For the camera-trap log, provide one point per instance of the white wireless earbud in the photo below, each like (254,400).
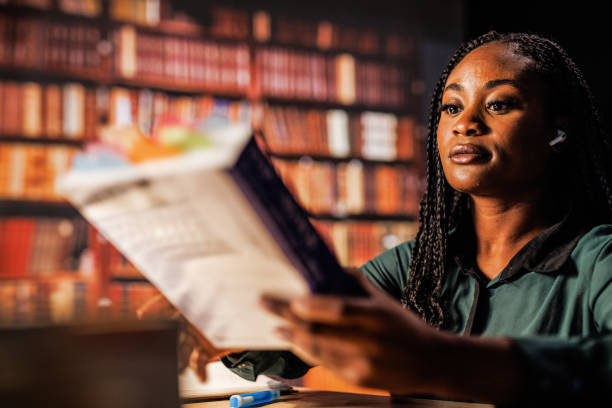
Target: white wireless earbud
(561,136)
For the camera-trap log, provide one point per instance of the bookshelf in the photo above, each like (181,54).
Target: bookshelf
(339,105)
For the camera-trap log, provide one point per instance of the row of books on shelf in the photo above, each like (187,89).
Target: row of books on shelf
(356,242)
(148,11)
(326,35)
(343,79)
(225,22)
(81,49)
(221,22)
(144,108)
(55,111)
(42,44)
(190,61)
(44,249)
(55,299)
(336,133)
(72,111)
(119,267)
(89,8)
(197,64)
(29,171)
(352,187)
(125,298)
(64,299)
(40,247)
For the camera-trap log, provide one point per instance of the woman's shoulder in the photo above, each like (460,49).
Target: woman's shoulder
(592,258)
(595,239)
(389,270)
(593,251)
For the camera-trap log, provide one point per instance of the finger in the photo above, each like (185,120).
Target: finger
(346,311)
(315,308)
(331,347)
(198,362)
(356,361)
(340,311)
(200,341)
(186,345)
(299,347)
(203,344)
(276,305)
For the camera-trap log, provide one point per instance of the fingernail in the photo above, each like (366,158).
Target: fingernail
(283,332)
(265,303)
(300,304)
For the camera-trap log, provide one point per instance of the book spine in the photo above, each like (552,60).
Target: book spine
(289,224)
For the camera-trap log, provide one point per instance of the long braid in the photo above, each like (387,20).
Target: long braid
(442,207)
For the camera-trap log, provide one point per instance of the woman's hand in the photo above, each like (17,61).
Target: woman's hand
(194,349)
(371,342)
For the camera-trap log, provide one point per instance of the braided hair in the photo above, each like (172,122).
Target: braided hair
(584,164)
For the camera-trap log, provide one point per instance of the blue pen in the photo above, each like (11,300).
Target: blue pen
(253,398)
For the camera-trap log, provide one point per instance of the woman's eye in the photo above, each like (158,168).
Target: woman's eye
(504,105)
(450,108)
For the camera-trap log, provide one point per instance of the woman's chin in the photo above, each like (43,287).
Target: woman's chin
(473,187)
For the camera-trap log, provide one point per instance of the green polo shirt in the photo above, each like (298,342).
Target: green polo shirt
(554,298)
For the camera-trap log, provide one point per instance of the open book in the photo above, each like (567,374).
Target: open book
(212,229)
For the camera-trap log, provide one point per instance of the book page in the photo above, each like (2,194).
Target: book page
(198,240)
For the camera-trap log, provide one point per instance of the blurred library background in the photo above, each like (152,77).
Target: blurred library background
(339,90)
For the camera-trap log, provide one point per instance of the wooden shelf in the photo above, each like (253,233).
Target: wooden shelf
(183,29)
(363,217)
(379,57)
(54,13)
(27,73)
(325,105)
(334,159)
(24,73)
(183,87)
(55,276)
(41,140)
(31,208)
(129,279)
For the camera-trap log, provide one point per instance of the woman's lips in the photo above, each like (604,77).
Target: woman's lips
(468,153)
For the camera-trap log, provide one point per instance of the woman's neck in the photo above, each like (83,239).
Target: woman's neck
(503,227)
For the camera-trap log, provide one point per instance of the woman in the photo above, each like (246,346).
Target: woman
(506,289)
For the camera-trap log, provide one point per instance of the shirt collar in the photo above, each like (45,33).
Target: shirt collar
(545,253)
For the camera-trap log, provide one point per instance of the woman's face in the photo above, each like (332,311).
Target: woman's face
(493,135)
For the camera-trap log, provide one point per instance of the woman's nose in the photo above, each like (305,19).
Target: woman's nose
(469,124)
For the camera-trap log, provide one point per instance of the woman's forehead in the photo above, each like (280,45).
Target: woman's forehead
(493,60)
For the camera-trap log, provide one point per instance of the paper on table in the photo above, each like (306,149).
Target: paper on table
(221,382)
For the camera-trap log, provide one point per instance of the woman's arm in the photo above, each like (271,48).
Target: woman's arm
(374,342)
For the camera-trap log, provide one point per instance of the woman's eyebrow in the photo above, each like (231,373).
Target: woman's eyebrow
(489,85)
(502,81)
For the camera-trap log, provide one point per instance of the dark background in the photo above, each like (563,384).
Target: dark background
(581,27)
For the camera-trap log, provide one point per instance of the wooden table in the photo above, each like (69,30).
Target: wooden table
(329,399)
